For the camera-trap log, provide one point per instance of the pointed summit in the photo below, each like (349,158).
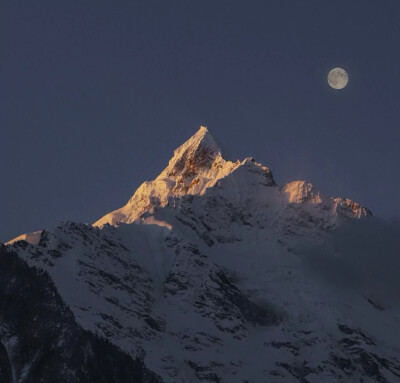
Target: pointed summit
(195,166)
(202,138)
(198,152)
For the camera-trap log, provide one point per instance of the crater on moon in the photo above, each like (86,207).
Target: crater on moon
(338,78)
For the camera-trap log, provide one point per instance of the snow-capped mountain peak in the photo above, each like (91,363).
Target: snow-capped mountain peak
(195,166)
(300,191)
(198,165)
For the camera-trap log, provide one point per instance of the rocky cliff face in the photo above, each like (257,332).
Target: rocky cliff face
(199,276)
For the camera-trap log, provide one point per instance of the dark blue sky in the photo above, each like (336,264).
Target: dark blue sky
(95,95)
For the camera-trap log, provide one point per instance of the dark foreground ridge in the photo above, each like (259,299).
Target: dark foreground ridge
(40,340)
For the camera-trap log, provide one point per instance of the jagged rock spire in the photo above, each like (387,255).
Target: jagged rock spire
(197,153)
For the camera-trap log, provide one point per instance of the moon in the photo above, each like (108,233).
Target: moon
(338,78)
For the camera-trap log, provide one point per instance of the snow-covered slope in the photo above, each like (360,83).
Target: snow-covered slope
(200,274)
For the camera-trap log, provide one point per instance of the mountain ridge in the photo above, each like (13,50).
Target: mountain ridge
(196,166)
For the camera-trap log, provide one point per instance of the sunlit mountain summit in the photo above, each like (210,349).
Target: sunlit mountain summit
(199,165)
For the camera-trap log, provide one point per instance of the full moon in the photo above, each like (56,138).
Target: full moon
(338,78)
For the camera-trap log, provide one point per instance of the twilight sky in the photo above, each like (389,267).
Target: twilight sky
(95,95)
